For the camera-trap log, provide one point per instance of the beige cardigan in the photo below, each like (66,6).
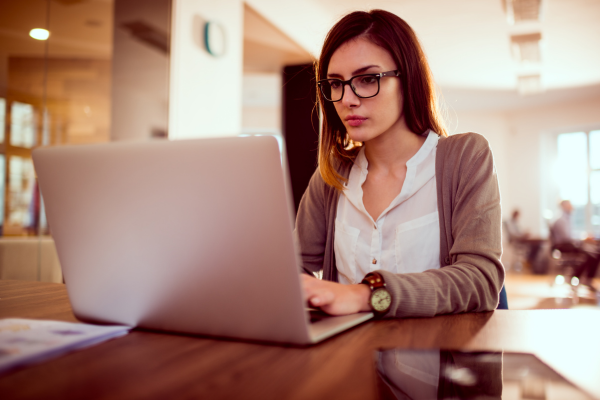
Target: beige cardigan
(470,234)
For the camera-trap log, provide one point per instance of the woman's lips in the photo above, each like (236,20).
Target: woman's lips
(355,120)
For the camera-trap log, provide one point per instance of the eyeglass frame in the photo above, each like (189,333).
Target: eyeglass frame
(394,73)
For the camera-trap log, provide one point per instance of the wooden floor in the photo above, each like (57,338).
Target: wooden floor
(533,292)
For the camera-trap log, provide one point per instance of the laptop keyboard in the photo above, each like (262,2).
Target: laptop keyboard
(317,315)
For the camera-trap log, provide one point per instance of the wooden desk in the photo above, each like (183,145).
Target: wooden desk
(155,365)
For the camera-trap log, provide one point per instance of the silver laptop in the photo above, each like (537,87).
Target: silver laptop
(191,236)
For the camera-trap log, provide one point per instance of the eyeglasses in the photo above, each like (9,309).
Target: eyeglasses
(363,86)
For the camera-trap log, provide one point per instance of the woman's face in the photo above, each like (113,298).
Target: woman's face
(366,119)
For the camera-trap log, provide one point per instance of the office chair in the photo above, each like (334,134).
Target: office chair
(564,263)
(503,300)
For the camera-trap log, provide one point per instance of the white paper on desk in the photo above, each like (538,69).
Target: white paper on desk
(25,341)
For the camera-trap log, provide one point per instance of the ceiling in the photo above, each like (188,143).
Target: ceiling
(468,41)
(78,28)
(84,28)
(266,48)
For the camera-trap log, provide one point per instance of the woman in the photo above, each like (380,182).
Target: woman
(394,198)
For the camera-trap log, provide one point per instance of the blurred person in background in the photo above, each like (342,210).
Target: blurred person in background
(516,235)
(562,240)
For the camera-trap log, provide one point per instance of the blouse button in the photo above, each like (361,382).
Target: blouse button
(447,260)
(374,261)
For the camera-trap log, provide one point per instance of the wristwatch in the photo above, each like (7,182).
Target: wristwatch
(381,299)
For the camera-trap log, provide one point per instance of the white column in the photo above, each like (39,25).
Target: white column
(205,97)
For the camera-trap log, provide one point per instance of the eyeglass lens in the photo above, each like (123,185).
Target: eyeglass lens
(362,86)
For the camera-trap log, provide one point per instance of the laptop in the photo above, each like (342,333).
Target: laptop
(190,236)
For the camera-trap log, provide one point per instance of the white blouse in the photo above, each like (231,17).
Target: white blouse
(406,236)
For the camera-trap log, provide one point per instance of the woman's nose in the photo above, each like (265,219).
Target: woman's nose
(349,99)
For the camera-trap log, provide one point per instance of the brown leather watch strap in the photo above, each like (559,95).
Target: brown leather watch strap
(374,280)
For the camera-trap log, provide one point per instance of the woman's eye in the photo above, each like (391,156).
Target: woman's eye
(335,84)
(367,80)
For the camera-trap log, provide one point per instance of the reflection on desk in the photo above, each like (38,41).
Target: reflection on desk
(447,374)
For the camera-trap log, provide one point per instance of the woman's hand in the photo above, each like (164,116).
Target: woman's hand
(335,298)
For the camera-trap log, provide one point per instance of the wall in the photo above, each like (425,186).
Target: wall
(140,83)
(205,91)
(261,94)
(523,143)
(536,131)
(494,126)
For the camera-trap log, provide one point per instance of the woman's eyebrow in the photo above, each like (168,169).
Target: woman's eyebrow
(356,72)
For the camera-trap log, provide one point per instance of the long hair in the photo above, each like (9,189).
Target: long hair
(420,108)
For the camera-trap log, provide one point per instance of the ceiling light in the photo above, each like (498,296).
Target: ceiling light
(39,34)
(529,84)
(526,48)
(522,10)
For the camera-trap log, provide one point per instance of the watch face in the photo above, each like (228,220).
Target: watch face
(381,300)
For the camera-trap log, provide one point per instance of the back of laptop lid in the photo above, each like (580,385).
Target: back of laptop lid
(191,236)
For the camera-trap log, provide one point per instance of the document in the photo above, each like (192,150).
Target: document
(27,341)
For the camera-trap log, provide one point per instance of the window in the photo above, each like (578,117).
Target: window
(21,181)
(22,125)
(578,178)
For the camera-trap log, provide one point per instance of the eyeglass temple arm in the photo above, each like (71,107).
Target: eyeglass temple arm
(390,73)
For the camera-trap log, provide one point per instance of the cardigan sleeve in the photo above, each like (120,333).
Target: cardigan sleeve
(472,274)
(311,226)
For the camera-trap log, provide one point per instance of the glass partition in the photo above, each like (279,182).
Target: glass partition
(57,62)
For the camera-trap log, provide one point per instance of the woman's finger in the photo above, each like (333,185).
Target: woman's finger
(321,297)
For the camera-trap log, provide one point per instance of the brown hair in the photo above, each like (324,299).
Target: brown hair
(420,107)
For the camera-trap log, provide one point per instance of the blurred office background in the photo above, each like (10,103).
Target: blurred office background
(523,73)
